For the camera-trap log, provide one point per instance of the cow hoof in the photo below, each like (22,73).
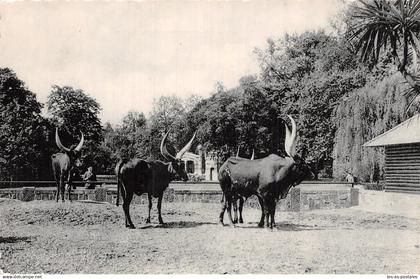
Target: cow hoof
(260,225)
(130,226)
(148,221)
(241,221)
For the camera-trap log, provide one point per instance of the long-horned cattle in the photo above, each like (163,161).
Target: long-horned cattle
(138,176)
(63,164)
(269,178)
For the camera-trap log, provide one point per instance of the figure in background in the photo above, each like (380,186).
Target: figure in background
(89,176)
(349,177)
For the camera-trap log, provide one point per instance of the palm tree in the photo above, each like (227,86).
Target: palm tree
(390,26)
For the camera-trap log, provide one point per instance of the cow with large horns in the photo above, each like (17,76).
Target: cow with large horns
(138,176)
(269,178)
(63,164)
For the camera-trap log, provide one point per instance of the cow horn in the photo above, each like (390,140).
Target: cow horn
(186,147)
(290,139)
(163,149)
(252,157)
(79,146)
(237,152)
(58,142)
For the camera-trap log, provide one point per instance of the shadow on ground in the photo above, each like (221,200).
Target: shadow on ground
(282,227)
(177,225)
(14,239)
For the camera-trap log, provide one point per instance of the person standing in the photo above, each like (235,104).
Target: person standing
(89,176)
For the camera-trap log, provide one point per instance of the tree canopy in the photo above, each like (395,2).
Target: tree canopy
(22,129)
(74,112)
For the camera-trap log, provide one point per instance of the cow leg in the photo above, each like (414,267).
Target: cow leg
(126,206)
(270,208)
(266,213)
(222,213)
(261,201)
(149,196)
(159,206)
(57,182)
(69,184)
(273,211)
(62,188)
(235,209)
(241,206)
(229,209)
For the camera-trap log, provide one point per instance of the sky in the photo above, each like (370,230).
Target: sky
(125,54)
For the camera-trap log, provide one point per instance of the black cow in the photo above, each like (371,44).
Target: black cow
(138,176)
(269,178)
(63,164)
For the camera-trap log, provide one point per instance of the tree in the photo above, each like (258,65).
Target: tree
(389,25)
(132,137)
(363,115)
(306,76)
(73,112)
(106,158)
(167,113)
(22,137)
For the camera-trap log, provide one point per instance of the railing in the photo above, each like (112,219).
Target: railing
(111,180)
(16,184)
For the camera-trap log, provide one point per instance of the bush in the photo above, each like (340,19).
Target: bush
(196,177)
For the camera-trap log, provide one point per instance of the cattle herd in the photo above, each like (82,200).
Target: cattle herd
(269,178)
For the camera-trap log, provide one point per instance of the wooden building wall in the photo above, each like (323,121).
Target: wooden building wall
(402,168)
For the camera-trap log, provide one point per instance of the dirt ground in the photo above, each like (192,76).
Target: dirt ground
(78,237)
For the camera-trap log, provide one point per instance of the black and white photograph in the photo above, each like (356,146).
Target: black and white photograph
(275,138)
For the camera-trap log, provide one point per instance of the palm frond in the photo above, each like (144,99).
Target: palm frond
(411,91)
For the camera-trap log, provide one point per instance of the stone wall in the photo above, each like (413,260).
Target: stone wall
(301,198)
(399,204)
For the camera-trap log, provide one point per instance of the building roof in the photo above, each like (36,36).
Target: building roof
(406,132)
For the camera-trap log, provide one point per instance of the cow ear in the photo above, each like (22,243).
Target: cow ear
(171,168)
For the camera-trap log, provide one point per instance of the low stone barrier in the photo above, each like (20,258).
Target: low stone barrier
(399,204)
(301,198)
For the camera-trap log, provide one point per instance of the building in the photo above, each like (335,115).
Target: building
(203,166)
(402,156)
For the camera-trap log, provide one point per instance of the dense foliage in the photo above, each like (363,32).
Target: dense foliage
(73,112)
(366,113)
(22,130)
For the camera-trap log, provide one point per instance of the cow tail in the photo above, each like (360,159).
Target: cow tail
(118,174)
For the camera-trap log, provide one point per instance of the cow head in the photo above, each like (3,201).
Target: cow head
(73,152)
(176,166)
(252,156)
(300,169)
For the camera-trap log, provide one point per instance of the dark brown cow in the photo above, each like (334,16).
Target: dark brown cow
(138,176)
(62,165)
(269,178)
